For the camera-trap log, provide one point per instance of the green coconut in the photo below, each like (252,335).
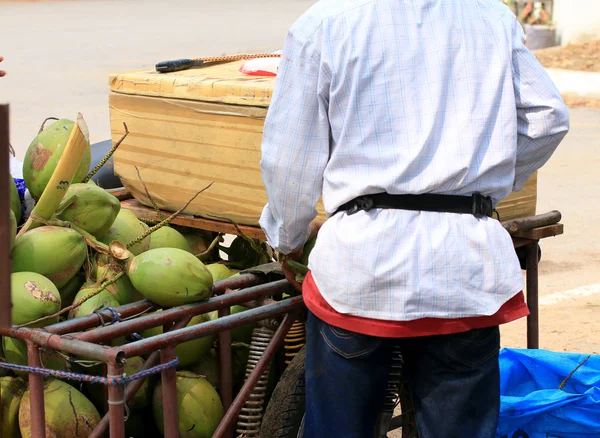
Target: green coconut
(142,397)
(15,201)
(33,296)
(219,271)
(126,228)
(98,301)
(198,240)
(15,351)
(68,412)
(198,403)
(170,277)
(11,393)
(189,352)
(43,155)
(243,333)
(90,208)
(193,351)
(167,237)
(55,252)
(69,290)
(122,289)
(13,229)
(208,367)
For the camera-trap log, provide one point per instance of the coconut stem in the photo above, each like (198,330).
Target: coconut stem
(154,206)
(63,175)
(167,220)
(210,248)
(148,221)
(106,157)
(44,123)
(102,287)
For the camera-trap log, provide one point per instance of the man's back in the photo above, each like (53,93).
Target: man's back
(419,96)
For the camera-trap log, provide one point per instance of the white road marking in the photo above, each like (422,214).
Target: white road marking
(584,291)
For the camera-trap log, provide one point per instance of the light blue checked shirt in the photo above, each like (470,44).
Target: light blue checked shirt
(406,96)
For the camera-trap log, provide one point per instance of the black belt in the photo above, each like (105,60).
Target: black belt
(476,204)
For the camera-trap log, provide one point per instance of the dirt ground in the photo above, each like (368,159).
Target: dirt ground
(582,57)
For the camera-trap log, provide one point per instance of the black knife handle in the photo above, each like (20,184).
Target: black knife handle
(174,65)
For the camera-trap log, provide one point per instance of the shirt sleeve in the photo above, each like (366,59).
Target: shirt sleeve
(295,146)
(542,116)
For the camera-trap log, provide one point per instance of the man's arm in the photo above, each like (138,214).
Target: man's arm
(542,116)
(2,72)
(295,146)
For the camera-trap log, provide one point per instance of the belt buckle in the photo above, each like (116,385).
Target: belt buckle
(481,205)
(365,203)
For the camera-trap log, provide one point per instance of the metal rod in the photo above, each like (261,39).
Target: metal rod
(94,320)
(225,372)
(103,334)
(116,403)
(129,310)
(145,346)
(258,370)
(105,389)
(5,225)
(533,322)
(531,222)
(36,393)
(169,394)
(133,387)
(63,343)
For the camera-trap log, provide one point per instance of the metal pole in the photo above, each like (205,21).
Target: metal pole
(230,416)
(36,393)
(533,323)
(225,372)
(93,320)
(169,392)
(116,403)
(5,228)
(139,348)
(103,334)
(133,387)
(87,322)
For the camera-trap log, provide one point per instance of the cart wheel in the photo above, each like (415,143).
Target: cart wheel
(285,411)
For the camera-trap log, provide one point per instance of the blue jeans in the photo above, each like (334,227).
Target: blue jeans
(454,381)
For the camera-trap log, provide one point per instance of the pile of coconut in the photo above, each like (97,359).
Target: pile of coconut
(78,253)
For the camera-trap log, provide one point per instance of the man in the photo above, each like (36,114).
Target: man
(390,98)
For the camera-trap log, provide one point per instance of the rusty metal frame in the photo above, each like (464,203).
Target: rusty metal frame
(5,306)
(67,337)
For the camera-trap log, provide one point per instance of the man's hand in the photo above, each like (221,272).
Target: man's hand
(2,72)
(296,255)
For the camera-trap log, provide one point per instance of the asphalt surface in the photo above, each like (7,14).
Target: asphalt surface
(59,55)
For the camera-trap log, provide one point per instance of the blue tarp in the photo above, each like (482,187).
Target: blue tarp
(533,406)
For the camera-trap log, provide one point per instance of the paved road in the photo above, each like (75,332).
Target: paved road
(59,55)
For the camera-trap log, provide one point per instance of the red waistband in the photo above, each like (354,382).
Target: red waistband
(513,309)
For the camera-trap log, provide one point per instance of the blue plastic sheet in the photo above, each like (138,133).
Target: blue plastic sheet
(533,406)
